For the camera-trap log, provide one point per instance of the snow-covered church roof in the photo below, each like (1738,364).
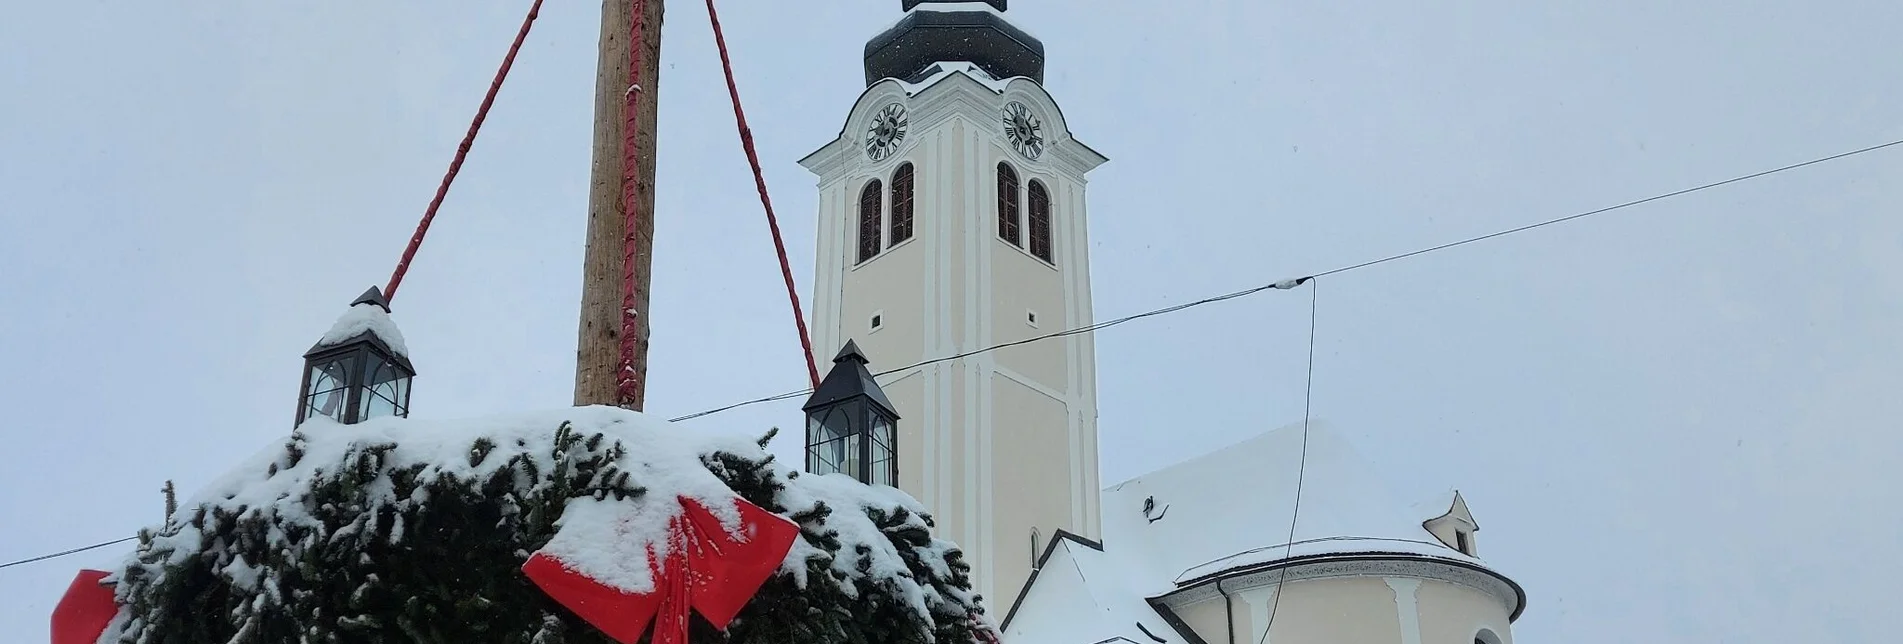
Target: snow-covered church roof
(1231,508)
(1223,514)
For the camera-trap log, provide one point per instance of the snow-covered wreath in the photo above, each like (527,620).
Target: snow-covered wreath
(407,531)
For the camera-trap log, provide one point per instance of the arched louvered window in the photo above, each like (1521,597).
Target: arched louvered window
(869,204)
(1008,229)
(1040,221)
(901,204)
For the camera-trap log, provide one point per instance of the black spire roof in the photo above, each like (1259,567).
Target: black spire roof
(849,377)
(980,37)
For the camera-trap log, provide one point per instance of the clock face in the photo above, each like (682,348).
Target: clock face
(886,132)
(1024,130)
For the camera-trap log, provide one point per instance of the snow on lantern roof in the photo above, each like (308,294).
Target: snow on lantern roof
(1230,509)
(370,314)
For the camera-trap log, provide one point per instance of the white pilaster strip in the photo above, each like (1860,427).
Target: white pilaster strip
(1261,602)
(1407,606)
(972,338)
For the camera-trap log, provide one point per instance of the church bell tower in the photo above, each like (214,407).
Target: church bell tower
(952,219)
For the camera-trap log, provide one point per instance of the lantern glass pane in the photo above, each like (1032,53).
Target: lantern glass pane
(403,396)
(329,390)
(827,424)
(828,457)
(852,464)
(881,470)
(827,443)
(882,454)
(378,371)
(384,388)
(881,432)
(374,405)
(327,376)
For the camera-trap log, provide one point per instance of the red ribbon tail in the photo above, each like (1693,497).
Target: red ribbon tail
(671,626)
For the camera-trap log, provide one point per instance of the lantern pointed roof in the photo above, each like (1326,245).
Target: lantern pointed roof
(849,377)
(367,320)
(373,296)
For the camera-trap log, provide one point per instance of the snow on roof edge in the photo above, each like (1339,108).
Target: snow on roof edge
(1231,507)
(946,68)
(1101,603)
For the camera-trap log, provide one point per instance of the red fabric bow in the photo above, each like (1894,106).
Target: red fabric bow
(706,569)
(86,610)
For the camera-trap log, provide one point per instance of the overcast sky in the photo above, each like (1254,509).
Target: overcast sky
(1674,423)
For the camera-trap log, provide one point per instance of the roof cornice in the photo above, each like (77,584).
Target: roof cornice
(1360,564)
(957,94)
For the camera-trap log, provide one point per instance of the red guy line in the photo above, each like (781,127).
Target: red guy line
(462,152)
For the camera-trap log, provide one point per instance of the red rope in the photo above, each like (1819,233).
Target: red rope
(628,381)
(462,152)
(759,182)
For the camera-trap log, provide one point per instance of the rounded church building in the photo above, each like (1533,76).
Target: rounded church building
(1201,552)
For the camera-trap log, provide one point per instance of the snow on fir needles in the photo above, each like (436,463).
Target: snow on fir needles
(400,530)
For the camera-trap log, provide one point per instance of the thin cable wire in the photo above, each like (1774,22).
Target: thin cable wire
(1607,209)
(1284,285)
(1291,283)
(1301,470)
(74,551)
(756,401)
(462,152)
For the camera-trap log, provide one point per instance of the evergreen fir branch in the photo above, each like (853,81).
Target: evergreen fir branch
(376,550)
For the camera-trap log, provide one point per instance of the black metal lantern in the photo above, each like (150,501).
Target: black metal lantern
(851,428)
(354,373)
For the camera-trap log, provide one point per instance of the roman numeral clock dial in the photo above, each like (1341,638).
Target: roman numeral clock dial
(1024,130)
(886,132)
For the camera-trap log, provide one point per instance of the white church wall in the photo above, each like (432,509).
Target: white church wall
(1332,610)
(887,285)
(1210,620)
(1343,610)
(907,393)
(1454,614)
(1030,447)
(1022,284)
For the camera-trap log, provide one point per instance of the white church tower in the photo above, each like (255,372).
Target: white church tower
(952,218)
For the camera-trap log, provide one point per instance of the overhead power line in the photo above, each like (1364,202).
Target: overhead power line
(1281,285)
(1287,284)
(74,551)
(1301,470)
(1607,209)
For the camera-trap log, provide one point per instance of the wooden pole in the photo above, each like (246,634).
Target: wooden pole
(598,349)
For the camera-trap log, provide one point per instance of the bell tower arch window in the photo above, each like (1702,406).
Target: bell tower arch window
(901,204)
(1008,228)
(1039,221)
(870,201)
